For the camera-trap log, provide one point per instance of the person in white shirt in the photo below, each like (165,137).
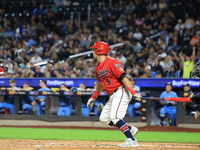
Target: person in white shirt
(121,58)
(137,35)
(36,58)
(180,25)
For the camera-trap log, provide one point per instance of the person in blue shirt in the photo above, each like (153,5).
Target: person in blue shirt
(134,105)
(99,103)
(40,107)
(85,111)
(9,104)
(65,103)
(169,107)
(27,100)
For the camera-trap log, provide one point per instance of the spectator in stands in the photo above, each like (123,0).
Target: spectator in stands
(175,57)
(16,69)
(166,63)
(162,43)
(198,55)
(179,26)
(39,11)
(66,3)
(173,72)
(58,2)
(152,6)
(63,54)
(40,100)
(169,107)
(121,58)
(140,57)
(36,58)
(38,72)
(9,100)
(196,39)
(156,67)
(51,28)
(130,8)
(137,34)
(137,47)
(189,21)
(170,45)
(26,71)
(187,63)
(54,58)
(162,5)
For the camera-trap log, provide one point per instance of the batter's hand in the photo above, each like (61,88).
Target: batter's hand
(90,102)
(137,96)
(196,116)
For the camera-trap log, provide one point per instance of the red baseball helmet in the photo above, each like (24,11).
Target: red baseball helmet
(101,48)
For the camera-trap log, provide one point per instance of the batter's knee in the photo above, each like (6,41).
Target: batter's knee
(104,120)
(108,121)
(114,120)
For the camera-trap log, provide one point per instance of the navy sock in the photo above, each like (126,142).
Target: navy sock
(125,129)
(162,119)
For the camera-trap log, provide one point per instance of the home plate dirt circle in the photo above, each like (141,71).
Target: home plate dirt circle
(6,144)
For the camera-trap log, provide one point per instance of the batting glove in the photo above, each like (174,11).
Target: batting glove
(90,102)
(137,96)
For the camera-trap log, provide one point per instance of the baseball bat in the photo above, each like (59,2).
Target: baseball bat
(177,99)
(88,52)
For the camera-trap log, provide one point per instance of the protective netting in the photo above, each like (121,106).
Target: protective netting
(196,70)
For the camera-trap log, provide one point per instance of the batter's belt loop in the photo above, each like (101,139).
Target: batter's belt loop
(116,90)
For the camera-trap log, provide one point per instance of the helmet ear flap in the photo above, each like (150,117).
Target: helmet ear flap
(97,51)
(101,48)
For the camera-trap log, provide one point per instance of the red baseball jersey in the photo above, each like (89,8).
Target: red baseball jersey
(1,71)
(108,73)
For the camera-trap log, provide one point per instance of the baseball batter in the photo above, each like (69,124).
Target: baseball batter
(113,80)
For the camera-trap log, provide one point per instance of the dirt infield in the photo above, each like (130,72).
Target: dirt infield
(96,145)
(89,145)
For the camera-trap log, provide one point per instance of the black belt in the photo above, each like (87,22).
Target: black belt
(115,91)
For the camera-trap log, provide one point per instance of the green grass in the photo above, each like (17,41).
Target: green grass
(95,135)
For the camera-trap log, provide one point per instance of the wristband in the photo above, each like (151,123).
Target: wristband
(95,95)
(131,90)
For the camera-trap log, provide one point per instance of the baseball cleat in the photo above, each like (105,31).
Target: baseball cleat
(129,143)
(160,124)
(134,130)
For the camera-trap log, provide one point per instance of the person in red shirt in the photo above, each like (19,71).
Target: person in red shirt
(112,79)
(1,72)
(196,39)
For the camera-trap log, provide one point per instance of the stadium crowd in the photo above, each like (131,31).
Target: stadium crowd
(161,37)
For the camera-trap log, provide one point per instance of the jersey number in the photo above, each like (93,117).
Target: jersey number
(108,81)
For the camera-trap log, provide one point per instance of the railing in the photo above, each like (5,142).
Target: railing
(77,96)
